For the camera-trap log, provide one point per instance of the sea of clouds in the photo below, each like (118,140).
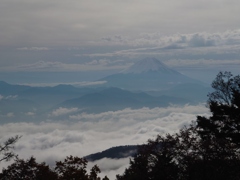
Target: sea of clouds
(83,134)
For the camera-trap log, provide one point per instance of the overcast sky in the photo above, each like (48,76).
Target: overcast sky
(94,38)
(55,41)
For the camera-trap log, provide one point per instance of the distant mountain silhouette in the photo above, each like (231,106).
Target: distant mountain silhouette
(23,103)
(147,74)
(112,99)
(10,89)
(114,153)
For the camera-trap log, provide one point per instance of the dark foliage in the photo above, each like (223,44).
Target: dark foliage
(28,170)
(184,156)
(75,168)
(71,168)
(208,151)
(224,104)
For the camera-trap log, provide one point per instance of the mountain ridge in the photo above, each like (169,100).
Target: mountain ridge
(147,74)
(112,99)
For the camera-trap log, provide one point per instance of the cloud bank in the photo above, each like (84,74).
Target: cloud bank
(83,134)
(175,41)
(63,111)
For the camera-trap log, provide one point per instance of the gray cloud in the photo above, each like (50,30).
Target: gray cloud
(200,39)
(63,111)
(71,23)
(117,52)
(33,49)
(9,97)
(44,66)
(223,48)
(30,113)
(10,114)
(202,63)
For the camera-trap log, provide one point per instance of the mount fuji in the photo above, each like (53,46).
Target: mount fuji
(149,65)
(148,74)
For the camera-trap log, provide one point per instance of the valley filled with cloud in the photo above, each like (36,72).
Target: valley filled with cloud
(84,134)
(79,77)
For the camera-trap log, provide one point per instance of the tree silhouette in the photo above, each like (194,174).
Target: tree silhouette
(75,168)
(71,168)
(185,156)
(207,150)
(6,148)
(28,170)
(224,104)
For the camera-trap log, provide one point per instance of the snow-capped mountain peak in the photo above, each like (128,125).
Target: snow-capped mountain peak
(148,65)
(147,74)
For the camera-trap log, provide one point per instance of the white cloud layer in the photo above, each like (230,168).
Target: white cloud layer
(63,111)
(84,134)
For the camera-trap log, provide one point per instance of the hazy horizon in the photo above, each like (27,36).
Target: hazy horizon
(59,42)
(45,43)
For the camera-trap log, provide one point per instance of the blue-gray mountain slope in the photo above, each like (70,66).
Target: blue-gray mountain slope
(112,99)
(147,74)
